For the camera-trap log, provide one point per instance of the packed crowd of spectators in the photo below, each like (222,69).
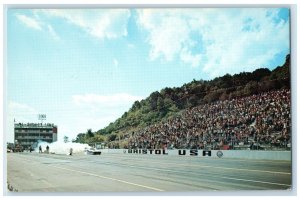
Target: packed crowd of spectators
(254,121)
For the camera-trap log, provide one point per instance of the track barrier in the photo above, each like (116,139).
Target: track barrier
(221,154)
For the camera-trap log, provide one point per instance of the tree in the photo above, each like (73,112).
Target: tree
(153,100)
(66,139)
(212,96)
(260,73)
(192,101)
(111,137)
(136,105)
(224,96)
(90,133)
(99,138)
(160,104)
(251,88)
(80,138)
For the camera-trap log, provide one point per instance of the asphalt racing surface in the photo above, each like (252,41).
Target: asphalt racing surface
(33,172)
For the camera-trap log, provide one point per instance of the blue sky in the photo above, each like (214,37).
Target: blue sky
(83,68)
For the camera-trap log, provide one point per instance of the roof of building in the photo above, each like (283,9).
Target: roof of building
(35,125)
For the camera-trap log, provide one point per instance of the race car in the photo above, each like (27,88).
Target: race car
(93,151)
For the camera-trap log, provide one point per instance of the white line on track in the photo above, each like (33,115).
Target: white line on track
(109,178)
(248,170)
(246,180)
(174,171)
(224,177)
(225,168)
(230,168)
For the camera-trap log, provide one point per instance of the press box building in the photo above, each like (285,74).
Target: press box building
(29,134)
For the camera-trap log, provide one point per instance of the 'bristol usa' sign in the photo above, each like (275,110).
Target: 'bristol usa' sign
(180,152)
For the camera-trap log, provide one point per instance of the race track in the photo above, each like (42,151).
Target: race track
(33,172)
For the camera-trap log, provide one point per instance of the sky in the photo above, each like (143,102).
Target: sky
(84,68)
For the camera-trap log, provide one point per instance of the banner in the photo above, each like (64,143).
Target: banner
(179,152)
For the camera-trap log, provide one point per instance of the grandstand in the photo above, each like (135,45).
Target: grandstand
(255,122)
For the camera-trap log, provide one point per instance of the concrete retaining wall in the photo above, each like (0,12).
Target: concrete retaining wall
(241,154)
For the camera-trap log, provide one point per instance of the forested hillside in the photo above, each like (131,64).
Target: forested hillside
(161,105)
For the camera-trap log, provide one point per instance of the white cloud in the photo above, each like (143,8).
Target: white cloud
(116,62)
(29,22)
(37,23)
(97,111)
(105,23)
(131,46)
(53,32)
(106,101)
(83,121)
(21,111)
(218,40)
(18,112)
(187,57)
(233,49)
(100,110)
(168,33)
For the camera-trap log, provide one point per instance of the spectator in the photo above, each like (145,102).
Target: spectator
(262,119)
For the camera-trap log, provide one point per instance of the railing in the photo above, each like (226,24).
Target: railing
(33,125)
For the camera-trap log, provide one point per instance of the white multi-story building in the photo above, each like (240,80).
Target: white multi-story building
(30,133)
